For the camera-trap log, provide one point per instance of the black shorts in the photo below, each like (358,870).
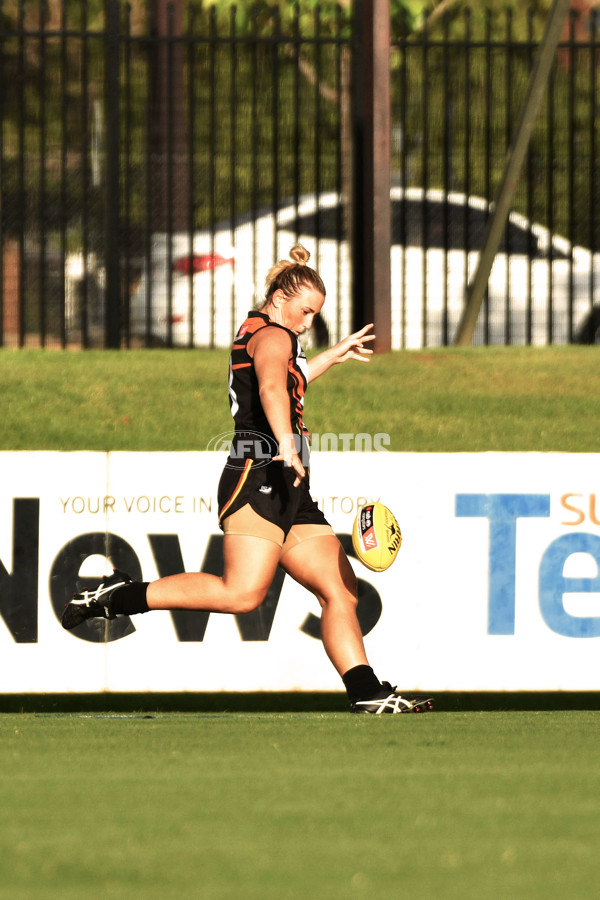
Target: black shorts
(270,491)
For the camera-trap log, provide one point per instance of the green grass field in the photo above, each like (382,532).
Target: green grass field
(289,801)
(435,400)
(300,805)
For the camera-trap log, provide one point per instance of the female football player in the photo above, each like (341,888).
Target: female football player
(265,510)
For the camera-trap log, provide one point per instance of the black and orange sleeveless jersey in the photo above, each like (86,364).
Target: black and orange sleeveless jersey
(244,399)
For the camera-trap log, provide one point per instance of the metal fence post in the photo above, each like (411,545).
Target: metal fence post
(372,182)
(112,323)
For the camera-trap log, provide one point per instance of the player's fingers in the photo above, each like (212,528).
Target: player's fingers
(299,470)
(293,462)
(359,352)
(352,341)
(361,335)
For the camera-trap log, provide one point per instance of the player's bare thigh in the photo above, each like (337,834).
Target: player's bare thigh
(250,563)
(247,522)
(313,556)
(251,551)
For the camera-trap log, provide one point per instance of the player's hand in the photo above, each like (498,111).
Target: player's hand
(353,346)
(289,456)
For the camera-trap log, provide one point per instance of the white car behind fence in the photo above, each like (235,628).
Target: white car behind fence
(198,290)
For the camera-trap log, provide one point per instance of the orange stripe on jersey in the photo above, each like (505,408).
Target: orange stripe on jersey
(238,487)
(250,326)
(297,389)
(241,365)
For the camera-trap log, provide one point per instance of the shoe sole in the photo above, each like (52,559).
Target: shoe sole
(417,706)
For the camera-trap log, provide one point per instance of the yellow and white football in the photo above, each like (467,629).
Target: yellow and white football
(376,537)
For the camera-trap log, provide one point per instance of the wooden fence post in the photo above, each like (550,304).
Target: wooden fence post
(372,179)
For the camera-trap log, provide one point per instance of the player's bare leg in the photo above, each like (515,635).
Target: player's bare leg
(250,564)
(320,565)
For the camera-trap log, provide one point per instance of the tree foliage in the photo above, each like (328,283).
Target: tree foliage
(289,12)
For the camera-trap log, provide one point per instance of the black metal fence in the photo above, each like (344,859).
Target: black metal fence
(151,170)
(458,94)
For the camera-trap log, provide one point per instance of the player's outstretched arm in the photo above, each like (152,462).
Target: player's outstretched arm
(351,347)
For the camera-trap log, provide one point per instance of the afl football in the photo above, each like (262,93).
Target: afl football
(376,537)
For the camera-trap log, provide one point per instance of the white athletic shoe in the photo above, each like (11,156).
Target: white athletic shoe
(389,701)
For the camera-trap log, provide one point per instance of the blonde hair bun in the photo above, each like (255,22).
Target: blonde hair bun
(299,254)
(291,275)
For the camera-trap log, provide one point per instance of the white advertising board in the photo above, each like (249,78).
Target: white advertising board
(496,586)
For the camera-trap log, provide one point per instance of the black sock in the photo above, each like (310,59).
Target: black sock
(361,683)
(130,599)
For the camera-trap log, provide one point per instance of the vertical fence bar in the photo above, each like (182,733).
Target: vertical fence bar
(166,142)
(340,86)
(509,137)
(490,165)
(491,55)
(593,171)
(447,143)
(275,101)
(467,138)
(42,231)
(402,225)
(297,108)
(112,193)
(85,174)
(150,187)
(572,69)
(67,300)
(127,177)
(212,168)
(233,144)
(21,175)
(317,135)
(254,140)
(213,144)
(550,206)
(489,102)
(191,126)
(425,170)
(530,174)
(2,200)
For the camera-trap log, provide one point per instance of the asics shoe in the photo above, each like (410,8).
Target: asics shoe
(389,701)
(94,604)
